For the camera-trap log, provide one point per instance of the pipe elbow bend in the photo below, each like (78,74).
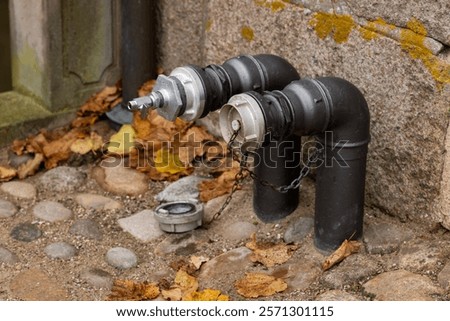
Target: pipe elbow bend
(349,113)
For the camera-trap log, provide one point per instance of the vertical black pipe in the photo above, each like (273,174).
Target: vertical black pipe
(138,49)
(277,163)
(339,205)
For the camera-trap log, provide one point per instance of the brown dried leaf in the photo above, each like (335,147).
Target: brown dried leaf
(7,173)
(207,295)
(146,88)
(197,261)
(219,186)
(255,285)
(59,150)
(128,290)
(270,254)
(30,167)
(184,285)
(346,249)
(84,145)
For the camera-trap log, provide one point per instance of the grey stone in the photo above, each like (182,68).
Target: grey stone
(181,244)
(298,230)
(418,255)
(7,257)
(98,278)
(26,232)
(223,266)
(51,211)
(238,230)
(35,285)
(97,202)
(7,209)
(121,258)
(299,275)
(336,295)
(19,189)
(401,285)
(142,226)
(181,190)
(115,177)
(444,276)
(17,160)
(352,270)
(87,228)
(384,238)
(181,31)
(442,213)
(60,250)
(62,179)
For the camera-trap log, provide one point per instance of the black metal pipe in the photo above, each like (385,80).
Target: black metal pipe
(279,164)
(137,54)
(335,111)
(138,47)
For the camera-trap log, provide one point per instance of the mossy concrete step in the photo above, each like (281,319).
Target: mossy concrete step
(21,116)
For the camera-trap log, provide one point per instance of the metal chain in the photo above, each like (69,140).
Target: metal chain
(244,169)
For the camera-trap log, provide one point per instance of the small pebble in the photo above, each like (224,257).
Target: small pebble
(51,211)
(62,179)
(26,232)
(121,258)
(97,202)
(181,190)
(60,250)
(7,209)
(87,228)
(7,257)
(19,189)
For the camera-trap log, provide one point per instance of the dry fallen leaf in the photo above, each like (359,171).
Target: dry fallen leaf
(90,143)
(270,254)
(346,249)
(184,284)
(30,167)
(128,290)
(207,295)
(168,162)
(122,143)
(255,285)
(219,186)
(197,261)
(7,173)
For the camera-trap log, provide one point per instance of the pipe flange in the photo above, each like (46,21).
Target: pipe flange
(172,103)
(180,216)
(243,112)
(194,90)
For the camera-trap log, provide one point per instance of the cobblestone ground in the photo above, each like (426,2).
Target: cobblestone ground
(68,233)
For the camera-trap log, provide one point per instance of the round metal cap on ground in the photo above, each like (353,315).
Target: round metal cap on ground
(180,216)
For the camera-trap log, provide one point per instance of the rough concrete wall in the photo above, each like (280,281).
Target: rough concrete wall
(395,53)
(181,33)
(62,51)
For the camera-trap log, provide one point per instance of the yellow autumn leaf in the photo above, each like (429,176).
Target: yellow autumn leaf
(206,295)
(183,285)
(168,162)
(270,254)
(122,142)
(129,290)
(7,173)
(85,145)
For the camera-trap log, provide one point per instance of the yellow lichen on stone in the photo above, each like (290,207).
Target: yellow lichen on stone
(330,24)
(373,29)
(274,5)
(412,41)
(247,33)
(208,25)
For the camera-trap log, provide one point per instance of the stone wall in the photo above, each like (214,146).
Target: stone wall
(397,54)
